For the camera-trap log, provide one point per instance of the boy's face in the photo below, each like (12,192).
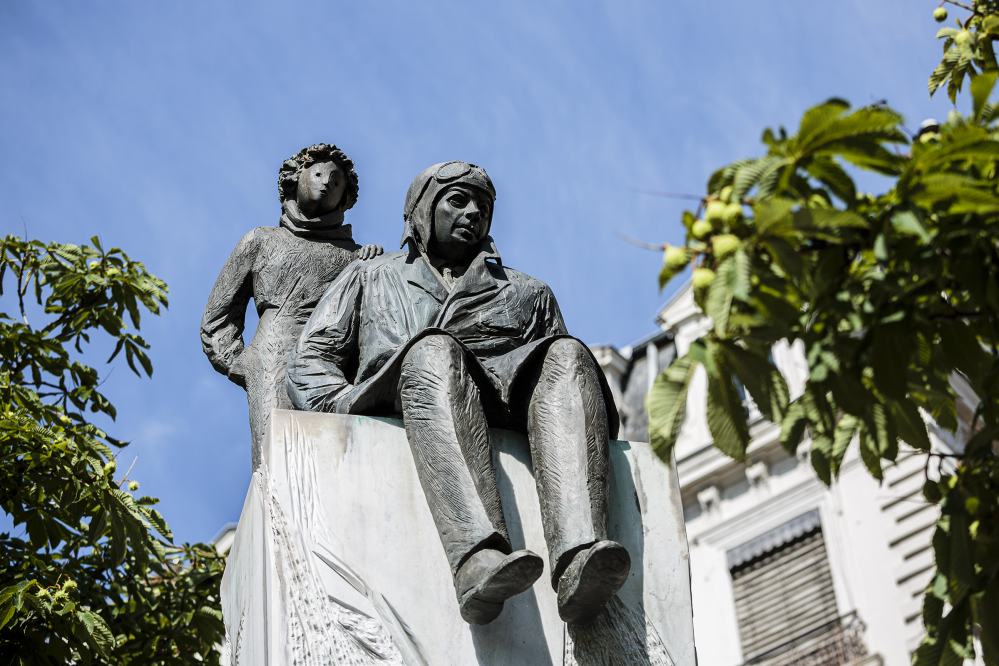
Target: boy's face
(320,187)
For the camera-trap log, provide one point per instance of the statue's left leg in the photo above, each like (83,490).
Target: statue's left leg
(567,429)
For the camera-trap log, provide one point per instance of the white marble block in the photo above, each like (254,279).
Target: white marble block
(337,561)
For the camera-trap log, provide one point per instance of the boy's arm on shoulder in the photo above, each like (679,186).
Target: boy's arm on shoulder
(223,321)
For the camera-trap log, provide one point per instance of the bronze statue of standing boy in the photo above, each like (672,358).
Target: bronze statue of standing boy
(285,270)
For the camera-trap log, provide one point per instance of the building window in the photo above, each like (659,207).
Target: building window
(784,591)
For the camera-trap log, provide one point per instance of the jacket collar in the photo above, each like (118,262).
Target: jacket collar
(477,279)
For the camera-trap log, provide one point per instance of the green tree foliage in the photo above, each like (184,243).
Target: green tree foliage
(93,576)
(894,297)
(968,48)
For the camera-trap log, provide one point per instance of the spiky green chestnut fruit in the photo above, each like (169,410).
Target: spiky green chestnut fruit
(702,278)
(714,212)
(701,228)
(733,213)
(109,467)
(69,585)
(962,38)
(133,485)
(675,259)
(940,14)
(726,193)
(724,245)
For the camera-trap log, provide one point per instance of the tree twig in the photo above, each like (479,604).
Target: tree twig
(125,478)
(668,195)
(638,243)
(20,294)
(962,6)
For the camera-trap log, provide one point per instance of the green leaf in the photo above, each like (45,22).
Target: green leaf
(870,454)
(828,218)
(793,426)
(846,428)
(719,301)
(944,70)
(933,608)
(756,171)
(981,88)
(821,454)
(909,424)
(939,649)
(6,613)
(962,568)
(726,411)
(770,212)
(906,222)
(761,378)
(987,616)
(156,520)
(737,275)
(981,442)
(102,635)
(961,347)
(890,353)
(666,404)
(819,118)
(832,175)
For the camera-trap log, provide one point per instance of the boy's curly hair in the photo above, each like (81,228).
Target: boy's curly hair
(290,170)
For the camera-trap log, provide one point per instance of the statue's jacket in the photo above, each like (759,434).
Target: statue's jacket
(348,357)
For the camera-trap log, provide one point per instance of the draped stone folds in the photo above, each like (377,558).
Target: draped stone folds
(337,560)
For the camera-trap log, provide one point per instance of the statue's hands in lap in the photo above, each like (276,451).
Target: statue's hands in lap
(369,252)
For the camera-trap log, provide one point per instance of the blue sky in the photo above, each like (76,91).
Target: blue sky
(161,126)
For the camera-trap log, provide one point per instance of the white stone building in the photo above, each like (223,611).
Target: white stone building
(785,570)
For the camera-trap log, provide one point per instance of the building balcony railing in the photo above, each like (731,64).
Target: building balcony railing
(833,644)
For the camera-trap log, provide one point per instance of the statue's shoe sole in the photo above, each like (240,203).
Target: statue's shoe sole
(515,574)
(593,577)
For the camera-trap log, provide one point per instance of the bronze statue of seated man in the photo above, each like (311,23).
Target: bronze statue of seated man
(447,336)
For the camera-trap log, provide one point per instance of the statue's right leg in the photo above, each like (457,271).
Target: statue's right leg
(447,431)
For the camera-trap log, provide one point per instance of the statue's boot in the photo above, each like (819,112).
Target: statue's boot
(591,579)
(488,578)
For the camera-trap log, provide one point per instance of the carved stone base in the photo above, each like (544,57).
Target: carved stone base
(336,560)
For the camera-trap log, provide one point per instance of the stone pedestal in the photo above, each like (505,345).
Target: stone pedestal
(336,560)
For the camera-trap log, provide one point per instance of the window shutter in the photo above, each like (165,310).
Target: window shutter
(786,591)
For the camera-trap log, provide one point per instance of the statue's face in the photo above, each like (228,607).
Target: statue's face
(461,221)
(320,187)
